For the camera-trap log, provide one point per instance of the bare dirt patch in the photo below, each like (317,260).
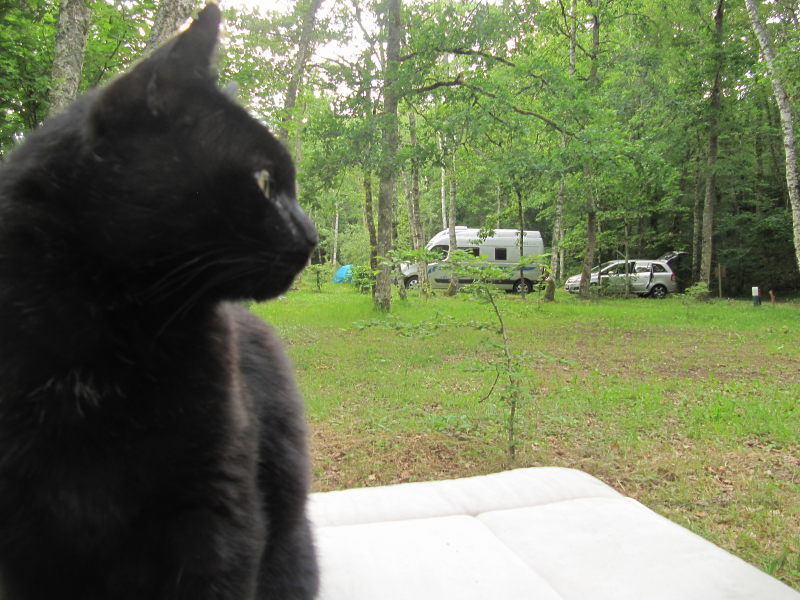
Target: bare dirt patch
(363,459)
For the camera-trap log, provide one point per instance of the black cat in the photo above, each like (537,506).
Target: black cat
(152,442)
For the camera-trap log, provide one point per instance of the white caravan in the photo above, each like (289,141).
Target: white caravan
(501,249)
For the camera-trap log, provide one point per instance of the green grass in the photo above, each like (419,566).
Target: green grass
(692,408)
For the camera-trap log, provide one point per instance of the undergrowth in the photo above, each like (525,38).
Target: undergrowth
(690,407)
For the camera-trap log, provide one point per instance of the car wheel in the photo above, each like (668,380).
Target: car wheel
(412,282)
(523,286)
(658,291)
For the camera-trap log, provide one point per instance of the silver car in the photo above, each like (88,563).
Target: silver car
(645,277)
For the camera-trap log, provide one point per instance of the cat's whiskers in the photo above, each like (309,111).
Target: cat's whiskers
(182,274)
(214,281)
(190,268)
(180,277)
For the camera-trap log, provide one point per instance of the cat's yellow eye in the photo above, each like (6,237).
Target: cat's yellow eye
(262,180)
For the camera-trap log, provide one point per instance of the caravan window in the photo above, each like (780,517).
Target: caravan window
(440,250)
(500,254)
(472,250)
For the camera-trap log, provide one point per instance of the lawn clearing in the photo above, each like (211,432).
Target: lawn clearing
(692,408)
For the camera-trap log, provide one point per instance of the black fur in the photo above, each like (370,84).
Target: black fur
(152,443)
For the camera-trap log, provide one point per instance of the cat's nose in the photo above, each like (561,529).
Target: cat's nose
(299,225)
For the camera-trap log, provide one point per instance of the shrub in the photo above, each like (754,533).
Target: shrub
(363,278)
(317,274)
(699,292)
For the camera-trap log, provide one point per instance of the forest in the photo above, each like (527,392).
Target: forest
(617,128)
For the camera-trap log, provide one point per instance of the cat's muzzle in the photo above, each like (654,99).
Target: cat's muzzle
(300,227)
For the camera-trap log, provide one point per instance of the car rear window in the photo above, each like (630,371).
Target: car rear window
(657,268)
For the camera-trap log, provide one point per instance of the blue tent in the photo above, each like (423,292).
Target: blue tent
(344,274)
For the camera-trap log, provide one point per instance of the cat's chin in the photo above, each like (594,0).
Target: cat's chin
(266,296)
(272,289)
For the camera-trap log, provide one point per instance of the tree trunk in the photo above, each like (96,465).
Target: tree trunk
(451,226)
(298,69)
(382,296)
(591,241)
(417,236)
(170,15)
(557,258)
(443,181)
(785,109)
(369,219)
(626,255)
(74,17)
(593,74)
(715,109)
(417,240)
(550,290)
(573,38)
(697,226)
(591,208)
(335,258)
(521,229)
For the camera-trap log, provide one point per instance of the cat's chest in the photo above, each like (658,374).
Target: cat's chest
(86,449)
(96,487)
(92,446)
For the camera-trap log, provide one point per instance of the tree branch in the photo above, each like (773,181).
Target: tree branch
(104,68)
(462,52)
(439,84)
(520,111)
(459,81)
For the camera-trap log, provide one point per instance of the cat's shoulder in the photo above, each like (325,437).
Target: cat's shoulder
(242,319)
(250,333)
(262,363)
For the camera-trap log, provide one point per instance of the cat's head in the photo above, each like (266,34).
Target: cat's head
(185,191)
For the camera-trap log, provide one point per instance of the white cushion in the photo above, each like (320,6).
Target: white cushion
(543,534)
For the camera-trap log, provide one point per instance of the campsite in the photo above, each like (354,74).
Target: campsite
(489,235)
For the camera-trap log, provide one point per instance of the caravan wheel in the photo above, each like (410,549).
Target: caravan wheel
(523,286)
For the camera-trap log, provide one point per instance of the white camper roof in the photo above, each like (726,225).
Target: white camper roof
(467,236)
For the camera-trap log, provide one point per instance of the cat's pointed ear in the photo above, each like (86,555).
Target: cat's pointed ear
(188,57)
(159,83)
(189,54)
